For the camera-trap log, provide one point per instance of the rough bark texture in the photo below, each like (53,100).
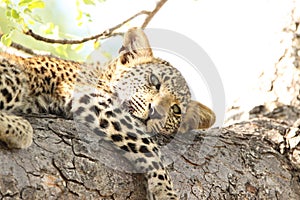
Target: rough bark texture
(238,162)
(255,159)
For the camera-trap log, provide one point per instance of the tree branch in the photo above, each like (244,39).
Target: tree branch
(151,14)
(19,47)
(107,33)
(237,162)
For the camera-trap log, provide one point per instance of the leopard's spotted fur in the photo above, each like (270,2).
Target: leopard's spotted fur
(132,96)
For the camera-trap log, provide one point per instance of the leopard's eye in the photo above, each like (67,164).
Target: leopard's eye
(154,81)
(176,109)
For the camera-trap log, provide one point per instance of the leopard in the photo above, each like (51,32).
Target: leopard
(122,102)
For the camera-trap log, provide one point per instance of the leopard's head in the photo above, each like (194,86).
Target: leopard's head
(155,92)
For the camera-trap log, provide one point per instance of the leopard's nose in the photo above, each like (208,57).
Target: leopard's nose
(153,114)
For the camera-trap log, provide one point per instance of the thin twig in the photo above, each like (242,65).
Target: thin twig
(107,33)
(151,14)
(20,47)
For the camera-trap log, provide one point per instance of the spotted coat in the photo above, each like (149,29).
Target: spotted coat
(121,102)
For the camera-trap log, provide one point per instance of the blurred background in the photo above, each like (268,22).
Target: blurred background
(243,38)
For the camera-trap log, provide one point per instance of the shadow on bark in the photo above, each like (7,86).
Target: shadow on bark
(248,160)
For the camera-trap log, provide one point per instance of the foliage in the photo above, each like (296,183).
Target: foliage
(23,15)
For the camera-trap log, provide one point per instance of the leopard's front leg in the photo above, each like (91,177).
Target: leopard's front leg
(160,185)
(15,131)
(104,117)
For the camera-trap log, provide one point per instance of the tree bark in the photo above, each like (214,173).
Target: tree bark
(238,162)
(254,159)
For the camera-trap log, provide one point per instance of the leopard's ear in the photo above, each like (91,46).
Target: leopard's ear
(135,44)
(197,116)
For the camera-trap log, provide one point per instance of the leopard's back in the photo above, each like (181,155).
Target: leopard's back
(41,84)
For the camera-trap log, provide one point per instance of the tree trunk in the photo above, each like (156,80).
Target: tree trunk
(254,159)
(238,162)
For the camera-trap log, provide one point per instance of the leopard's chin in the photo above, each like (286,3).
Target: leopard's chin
(153,125)
(156,126)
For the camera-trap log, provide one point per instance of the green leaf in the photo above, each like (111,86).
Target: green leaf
(49,28)
(77,47)
(6,39)
(15,14)
(31,22)
(79,16)
(36,4)
(89,2)
(22,22)
(96,44)
(24,2)
(27,11)
(62,50)
(7,2)
(8,13)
